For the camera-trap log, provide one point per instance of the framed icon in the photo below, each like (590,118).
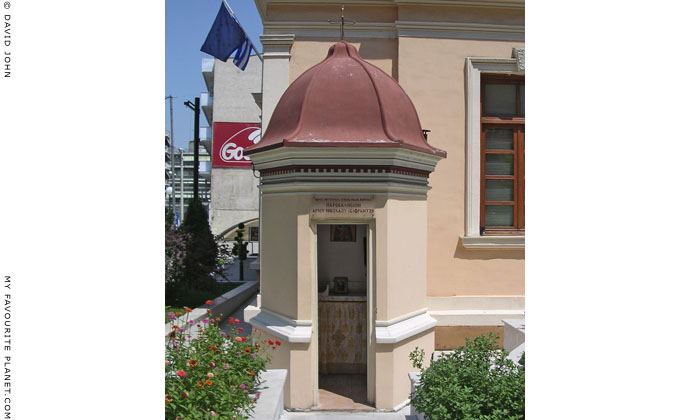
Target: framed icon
(343,233)
(340,285)
(254,234)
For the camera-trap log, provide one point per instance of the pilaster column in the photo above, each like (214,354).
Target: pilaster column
(275,79)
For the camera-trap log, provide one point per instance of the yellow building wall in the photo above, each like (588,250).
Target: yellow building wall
(380,52)
(438,93)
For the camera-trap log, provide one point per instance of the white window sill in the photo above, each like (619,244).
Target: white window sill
(493,242)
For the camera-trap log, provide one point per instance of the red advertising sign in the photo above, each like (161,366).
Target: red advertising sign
(229,141)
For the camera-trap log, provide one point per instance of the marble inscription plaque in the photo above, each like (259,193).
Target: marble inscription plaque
(342,207)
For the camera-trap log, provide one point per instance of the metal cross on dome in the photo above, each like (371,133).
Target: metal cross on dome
(342,22)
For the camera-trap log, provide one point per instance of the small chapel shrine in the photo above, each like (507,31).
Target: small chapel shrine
(344,178)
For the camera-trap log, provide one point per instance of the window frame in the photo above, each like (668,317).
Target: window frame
(517,125)
(475,67)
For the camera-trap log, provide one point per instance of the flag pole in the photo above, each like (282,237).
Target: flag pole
(238,22)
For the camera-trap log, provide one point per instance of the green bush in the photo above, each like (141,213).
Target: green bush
(202,251)
(211,376)
(474,382)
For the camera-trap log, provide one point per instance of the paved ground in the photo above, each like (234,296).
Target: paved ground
(403,414)
(232,271)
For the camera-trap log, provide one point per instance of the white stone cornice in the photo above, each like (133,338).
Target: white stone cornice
(398,329)
(321,29)
(451,30)
(503,4)
(285,156)
(493,242)
(277,45)
(415,191)
(494,65)
(458,30)
(475,310)
(281,39)
(290,330)
(335,177)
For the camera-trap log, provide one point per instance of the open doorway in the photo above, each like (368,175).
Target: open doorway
(342,316)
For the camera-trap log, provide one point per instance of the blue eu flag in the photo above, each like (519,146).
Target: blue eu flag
(226,35)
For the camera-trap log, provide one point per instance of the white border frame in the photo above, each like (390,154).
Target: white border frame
(370,303)
(474,68)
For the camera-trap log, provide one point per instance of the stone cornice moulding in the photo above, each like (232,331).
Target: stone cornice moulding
(277,39)
(493,242)
(290,330)
(451,30)
(261,5)
(277,45)
(344,177)
(321,30)
(413,191)
(286,156)
(403,327)
(475,310)
(504,4)
(460,30)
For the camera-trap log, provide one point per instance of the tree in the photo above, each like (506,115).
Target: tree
(202,251)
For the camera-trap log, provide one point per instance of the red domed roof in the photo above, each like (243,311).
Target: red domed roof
(345,101)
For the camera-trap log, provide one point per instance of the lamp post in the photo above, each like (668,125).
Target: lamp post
(181,185)
(196,108)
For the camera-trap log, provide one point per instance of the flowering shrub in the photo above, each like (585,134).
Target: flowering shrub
(209,374)
(474,382)
(175,254)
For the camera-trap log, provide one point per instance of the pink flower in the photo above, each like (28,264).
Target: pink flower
(210,375)
(258,394)
(205,321)
(253,355)
(213,413)
(181,373)
(222,333)
(213,364)
(238,338)
(243,386)
(185,394)
(167,362)
(190,322)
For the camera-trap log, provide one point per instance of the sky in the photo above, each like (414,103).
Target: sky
(187,23)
